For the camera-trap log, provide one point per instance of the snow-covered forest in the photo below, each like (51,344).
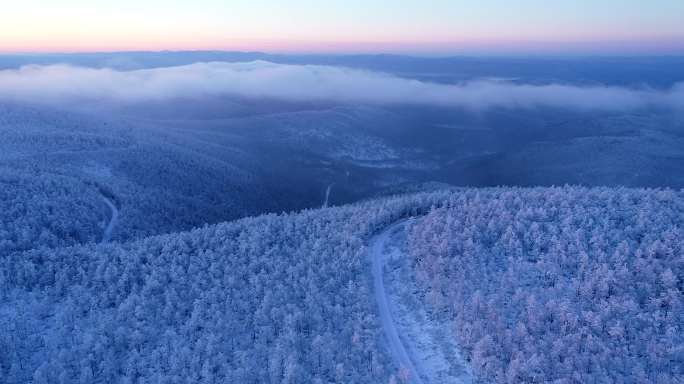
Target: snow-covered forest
(272,299)
(41,210)
(178,239)
(567,285)
(56,166)
(168,173)
(562,285)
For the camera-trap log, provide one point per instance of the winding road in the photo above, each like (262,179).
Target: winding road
(421,345)
(113,220)
(397,349)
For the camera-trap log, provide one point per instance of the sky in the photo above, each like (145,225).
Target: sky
(431,27)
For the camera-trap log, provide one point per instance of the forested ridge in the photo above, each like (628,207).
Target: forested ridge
(277,298)
(565,285)
(40,210)
(56,166)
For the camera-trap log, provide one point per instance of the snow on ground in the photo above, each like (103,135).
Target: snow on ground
(327,195)
(418,341)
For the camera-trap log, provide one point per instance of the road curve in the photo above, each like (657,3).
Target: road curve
(399,352)
(113,220)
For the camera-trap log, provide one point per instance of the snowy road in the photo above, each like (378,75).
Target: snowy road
(327,195)
(113,220)
(421,346)
(397,349)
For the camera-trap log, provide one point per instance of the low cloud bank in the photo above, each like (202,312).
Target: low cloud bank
(62,83)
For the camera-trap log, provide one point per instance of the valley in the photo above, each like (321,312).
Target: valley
(263,218)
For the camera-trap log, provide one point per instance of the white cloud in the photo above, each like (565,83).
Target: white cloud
(62,83)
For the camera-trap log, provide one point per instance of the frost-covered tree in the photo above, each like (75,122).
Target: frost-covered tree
(559,284)
(277,298)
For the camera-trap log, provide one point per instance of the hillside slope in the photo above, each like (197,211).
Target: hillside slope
(289,298)
(559,285)
(269,299)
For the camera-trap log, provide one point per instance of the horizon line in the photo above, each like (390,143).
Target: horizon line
(651,46)
(435,55)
